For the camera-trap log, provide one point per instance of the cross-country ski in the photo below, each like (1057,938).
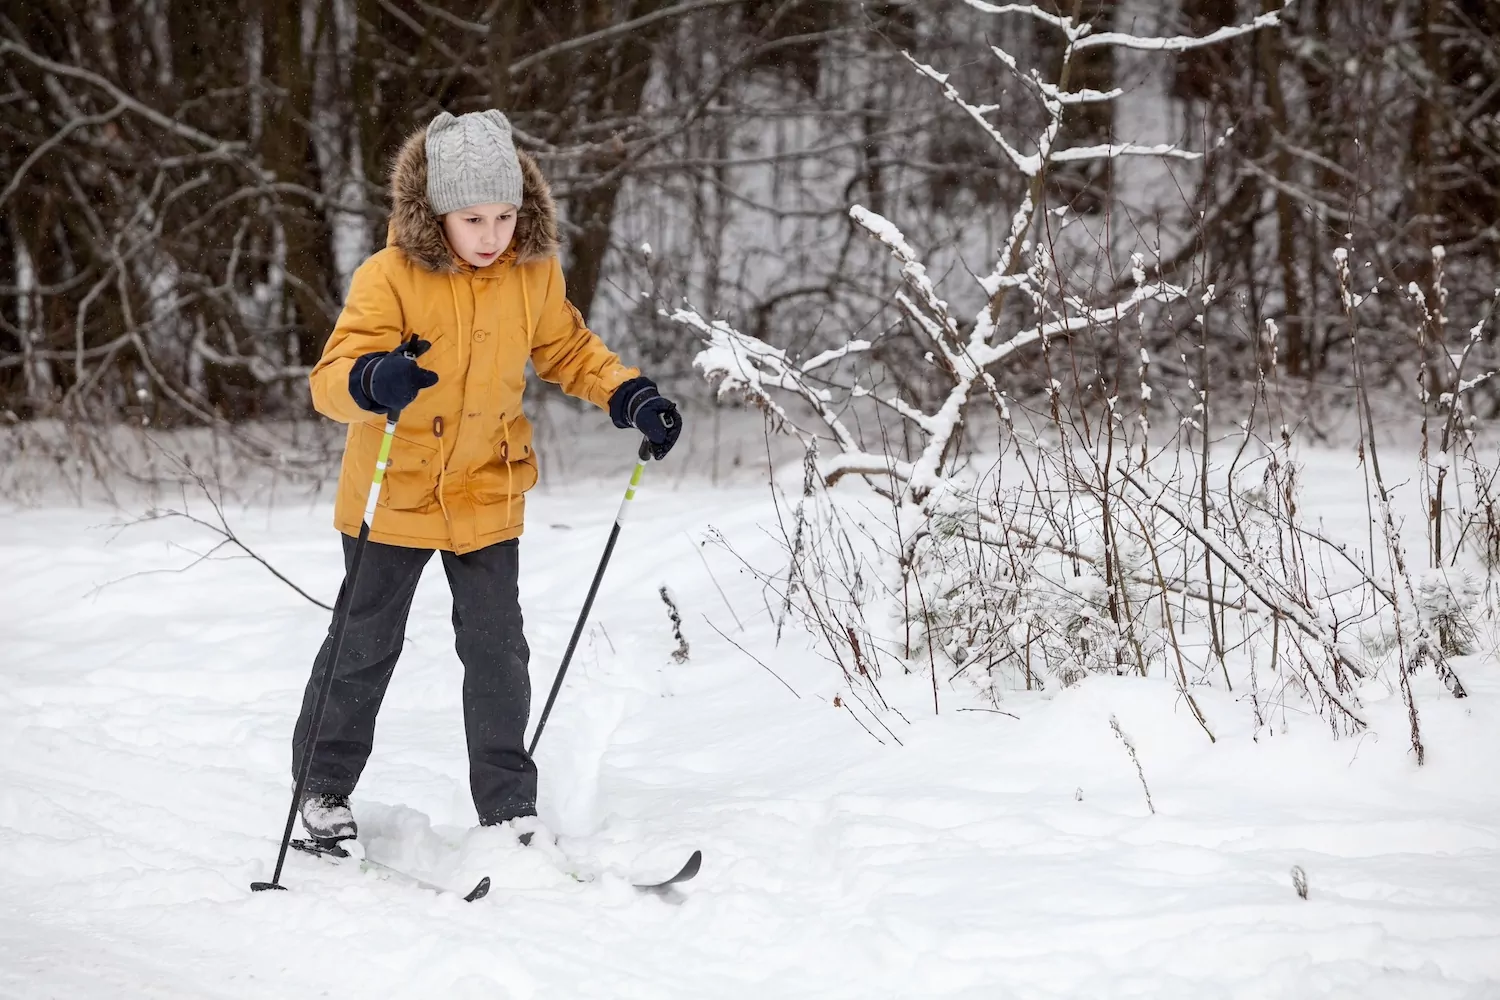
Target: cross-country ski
(336,852)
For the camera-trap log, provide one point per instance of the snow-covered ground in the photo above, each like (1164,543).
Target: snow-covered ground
(144,725)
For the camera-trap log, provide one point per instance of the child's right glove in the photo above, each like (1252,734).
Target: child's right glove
(390,380)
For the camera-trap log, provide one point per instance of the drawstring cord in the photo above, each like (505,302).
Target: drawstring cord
(437,422)
(437,432)
(510,470)
(526,304)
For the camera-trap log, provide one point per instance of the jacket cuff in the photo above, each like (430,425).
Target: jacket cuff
(627,400)
(359,379)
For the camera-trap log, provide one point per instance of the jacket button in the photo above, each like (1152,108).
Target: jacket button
(479,336)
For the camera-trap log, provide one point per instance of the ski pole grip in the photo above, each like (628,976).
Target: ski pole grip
(645,451)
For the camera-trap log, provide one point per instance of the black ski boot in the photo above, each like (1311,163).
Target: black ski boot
(328,818)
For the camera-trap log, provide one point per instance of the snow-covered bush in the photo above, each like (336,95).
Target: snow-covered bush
(1023,541)
(1448,606)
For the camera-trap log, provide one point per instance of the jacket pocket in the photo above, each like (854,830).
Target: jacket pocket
(513,469)
(515,441)
(411,477)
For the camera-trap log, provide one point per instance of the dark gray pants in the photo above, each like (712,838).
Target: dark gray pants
(491,646)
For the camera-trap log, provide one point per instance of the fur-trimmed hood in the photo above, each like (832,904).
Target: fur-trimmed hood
(417,232)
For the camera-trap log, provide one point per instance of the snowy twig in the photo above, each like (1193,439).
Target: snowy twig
(1114,724)
(222,528)
(228,538)
(698,548)
(752,656)
(1424,647)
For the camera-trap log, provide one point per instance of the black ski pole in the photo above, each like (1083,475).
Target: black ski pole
(588,602)
(340,625)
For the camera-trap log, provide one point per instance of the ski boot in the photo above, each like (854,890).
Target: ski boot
(524,827)
(328,819)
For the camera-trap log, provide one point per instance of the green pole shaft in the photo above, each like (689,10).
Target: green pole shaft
(340,626)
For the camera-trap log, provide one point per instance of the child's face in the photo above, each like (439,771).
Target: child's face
(480,233)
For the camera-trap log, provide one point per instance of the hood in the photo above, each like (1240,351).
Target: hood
(418,233)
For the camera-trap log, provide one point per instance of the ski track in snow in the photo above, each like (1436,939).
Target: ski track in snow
(144,728)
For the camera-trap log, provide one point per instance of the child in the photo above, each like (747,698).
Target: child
(471,270)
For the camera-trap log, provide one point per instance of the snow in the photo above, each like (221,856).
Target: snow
(144,722)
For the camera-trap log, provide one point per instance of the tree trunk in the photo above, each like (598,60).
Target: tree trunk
(502,44)
(1268,44)
(617,93)
(286,151)
(1424,179)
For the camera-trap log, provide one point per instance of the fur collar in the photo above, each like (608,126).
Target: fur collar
(418,233)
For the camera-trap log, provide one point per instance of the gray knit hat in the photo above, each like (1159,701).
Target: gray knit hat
(471,160)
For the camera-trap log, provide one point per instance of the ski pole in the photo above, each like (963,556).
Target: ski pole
(340,625)
(588,602)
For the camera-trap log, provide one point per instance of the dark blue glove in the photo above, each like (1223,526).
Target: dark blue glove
(390,380)
(637,404)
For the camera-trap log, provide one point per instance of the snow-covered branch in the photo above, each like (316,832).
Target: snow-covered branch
(912,269)
(837,354)
(1026,164)
(742,365)
(1110,151)
(1030,10)
(1080,34)
(1084,319)
(1181,43)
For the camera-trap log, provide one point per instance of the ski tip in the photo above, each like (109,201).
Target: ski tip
(479,891)
(685,873)
(263,886)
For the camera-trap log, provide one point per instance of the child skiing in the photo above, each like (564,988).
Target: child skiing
(439,326)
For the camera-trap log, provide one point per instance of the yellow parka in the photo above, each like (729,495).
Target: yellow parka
(463,458)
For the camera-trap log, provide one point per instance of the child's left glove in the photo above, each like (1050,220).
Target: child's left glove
(637,404)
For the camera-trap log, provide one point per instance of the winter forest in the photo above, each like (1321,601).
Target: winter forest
(1077,576)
